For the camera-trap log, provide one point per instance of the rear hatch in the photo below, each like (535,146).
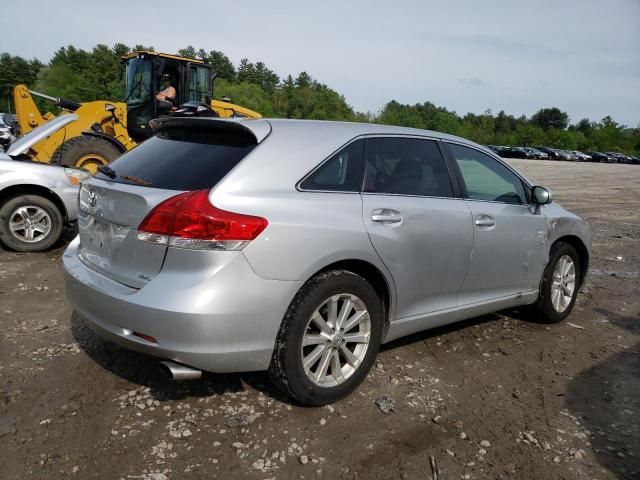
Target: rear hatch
(184,155)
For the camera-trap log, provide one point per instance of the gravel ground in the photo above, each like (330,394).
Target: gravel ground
(492,397)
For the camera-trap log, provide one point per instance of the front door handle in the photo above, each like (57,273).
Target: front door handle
(386,216)
(485,221)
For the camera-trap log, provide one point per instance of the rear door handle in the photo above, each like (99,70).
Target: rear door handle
(485,221)
(386,216)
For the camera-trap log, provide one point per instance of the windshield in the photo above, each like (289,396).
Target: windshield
(139,81)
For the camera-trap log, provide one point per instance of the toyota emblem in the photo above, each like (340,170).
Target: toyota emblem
(93,198)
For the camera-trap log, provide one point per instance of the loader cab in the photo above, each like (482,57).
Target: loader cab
(191,78)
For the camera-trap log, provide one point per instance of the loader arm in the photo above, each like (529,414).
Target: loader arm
(27,113)
(109,118)
(226,109)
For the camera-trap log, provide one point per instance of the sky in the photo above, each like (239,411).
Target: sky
(582,56)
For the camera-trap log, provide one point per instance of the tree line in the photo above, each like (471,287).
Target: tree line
(82,75)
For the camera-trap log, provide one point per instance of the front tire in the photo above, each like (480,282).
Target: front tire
(329,338)
(30,223)
(86,152)
(560,284)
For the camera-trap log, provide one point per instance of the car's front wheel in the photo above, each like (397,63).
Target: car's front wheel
(560,284)
(329,338)
(29,223)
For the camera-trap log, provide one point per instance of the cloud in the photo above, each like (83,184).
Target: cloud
(473,81)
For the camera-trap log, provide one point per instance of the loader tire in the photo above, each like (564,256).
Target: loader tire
(85,152)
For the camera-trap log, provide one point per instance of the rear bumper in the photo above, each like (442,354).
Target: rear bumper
(225,320)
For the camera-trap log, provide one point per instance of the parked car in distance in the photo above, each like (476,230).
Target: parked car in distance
(5,134)
(515,152)
(553,154)
(301,246)
(498,148)
(535,153)
(620,157)
(566,155)
(11,121)
(581,157)
(601,157)
(36,199)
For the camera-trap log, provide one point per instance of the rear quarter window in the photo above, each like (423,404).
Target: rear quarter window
(182,159)
(342,172)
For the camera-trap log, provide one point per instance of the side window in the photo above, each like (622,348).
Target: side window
(341,173)
(486,178)
(406,166)
(198,84)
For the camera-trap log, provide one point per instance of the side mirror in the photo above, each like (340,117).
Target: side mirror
(540,196)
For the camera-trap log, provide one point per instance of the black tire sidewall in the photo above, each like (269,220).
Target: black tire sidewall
(291,374)
(544,303)
(9,206)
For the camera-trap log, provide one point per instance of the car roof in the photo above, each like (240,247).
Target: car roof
(292,148)
(346,129)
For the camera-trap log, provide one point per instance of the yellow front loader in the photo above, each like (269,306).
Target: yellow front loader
(104,129)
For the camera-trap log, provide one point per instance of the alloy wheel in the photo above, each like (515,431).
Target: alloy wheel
(29,223)
(335,340)
(563,283)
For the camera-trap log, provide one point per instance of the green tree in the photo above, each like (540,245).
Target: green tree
(188,52)
(15,70)
(528,135)
(303,80)
(248,95)
(221,64)
(547,118)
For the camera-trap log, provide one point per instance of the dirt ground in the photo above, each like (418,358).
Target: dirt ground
(493,397)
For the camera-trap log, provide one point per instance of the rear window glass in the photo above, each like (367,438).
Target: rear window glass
(182,159)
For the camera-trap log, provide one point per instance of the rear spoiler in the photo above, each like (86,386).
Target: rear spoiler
(257,129)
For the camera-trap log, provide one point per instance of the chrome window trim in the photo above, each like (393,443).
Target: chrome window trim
(410,196)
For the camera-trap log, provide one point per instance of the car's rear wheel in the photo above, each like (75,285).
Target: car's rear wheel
(30,223)
(329,338)
(560,284)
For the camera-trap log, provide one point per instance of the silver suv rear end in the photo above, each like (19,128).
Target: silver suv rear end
(167,292)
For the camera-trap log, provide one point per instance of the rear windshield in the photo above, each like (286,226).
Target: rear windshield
(182,159)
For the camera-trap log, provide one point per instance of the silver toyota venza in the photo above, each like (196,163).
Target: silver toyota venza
(301,246)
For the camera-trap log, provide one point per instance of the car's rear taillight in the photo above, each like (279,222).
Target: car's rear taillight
(188,220)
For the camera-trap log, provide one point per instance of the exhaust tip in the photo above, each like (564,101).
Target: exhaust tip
(175,371)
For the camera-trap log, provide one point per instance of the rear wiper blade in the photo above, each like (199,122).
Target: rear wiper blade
(107,170)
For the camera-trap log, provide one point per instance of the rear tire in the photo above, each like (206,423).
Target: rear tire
(560,284)
(344,355)
(30,223)
(86,152)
